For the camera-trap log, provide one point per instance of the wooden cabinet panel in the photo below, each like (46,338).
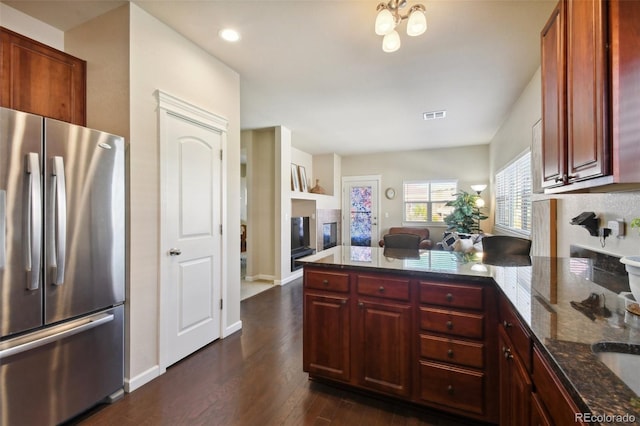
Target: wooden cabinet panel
(41,80)
(327,337)
(625,79)
(452,322)
(330,281)
(461,352)
(539,415)
(384,348)
(452,295)
(553,99)
(587,104)
(515,385)
(517,333)
(453,387)
(387,287)
(552,392)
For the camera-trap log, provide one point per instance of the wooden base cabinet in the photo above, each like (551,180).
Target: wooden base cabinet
(426,342)
(327,325)
(457,359)
(530,392)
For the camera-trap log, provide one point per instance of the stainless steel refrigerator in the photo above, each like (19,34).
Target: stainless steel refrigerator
(62,233)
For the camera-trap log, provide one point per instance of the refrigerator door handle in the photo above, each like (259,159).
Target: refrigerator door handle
(88,324)
(33,221)
(3,228)
(59,240)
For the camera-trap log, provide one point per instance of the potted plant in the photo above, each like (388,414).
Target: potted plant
(466,216)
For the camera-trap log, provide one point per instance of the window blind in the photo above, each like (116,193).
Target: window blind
(513,195)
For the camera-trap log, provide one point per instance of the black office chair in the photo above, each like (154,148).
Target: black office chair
(503,245)
(402,241)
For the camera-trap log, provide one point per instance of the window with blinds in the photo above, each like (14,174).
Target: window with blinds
(513,196)
(425,201)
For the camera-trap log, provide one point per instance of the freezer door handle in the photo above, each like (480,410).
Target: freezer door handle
(3,228)
(71,330)
(33,221)
(59,228)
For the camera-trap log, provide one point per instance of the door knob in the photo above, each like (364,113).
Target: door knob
(175,252)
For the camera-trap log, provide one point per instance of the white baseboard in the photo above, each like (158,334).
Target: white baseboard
(294,276)
(260,277)
(131,384)
(236,326)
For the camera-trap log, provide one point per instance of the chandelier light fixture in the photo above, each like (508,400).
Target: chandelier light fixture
(389,17)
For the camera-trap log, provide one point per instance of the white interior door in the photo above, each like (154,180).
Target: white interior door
(191,236)
(360,207)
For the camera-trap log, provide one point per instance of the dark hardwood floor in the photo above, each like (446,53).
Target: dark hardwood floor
(255,377)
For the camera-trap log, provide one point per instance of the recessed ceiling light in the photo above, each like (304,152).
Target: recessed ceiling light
(229,35)
(433,115)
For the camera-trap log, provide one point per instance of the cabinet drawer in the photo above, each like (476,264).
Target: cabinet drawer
(389,288)
(453,295)
(331,281)
(470,354)
(452,322)
(451,386)
(516,331)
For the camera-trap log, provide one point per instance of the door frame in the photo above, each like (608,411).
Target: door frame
(170,105)
(345,205)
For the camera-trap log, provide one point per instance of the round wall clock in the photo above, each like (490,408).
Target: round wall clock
(390,193)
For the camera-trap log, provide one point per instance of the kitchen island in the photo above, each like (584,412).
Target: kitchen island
(504,341)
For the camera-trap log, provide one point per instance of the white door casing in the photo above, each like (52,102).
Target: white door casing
(373,184)
(192,204)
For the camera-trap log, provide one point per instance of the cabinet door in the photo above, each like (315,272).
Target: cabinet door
(587,106)
(384,349)
(554,140)
(515,386)
(326,336)
(41,80)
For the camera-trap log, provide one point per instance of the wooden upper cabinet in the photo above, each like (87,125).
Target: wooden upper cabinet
(41,80)
(587,90)
(625,87)
(554,147)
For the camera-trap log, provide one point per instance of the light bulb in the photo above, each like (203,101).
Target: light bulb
(479,203)
(391,42)
(229,34)
(417,23)
(385,23)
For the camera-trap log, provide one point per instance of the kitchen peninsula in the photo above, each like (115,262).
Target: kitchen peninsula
(509,343)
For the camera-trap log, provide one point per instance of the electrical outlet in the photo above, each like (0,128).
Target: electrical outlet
(617,228)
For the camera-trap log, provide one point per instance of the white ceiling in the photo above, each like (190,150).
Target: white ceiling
(316,66)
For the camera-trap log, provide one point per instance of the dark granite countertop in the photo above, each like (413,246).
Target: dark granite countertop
(570,304)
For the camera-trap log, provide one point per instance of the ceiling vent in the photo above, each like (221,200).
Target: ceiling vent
(433,115)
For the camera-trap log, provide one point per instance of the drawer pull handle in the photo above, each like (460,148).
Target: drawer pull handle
(344,302)
(449,325)
(325,282)
(507,353)
(360,304)
(450,389)
(507,324)
(449,297)
(381,289)
(450,353)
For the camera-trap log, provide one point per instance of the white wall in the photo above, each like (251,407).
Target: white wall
(158,58)
(468,165)
(21,23)
(514,137)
